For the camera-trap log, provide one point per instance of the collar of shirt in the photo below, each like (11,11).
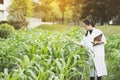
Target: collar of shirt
(90,31)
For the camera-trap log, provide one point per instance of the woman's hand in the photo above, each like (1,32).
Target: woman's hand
(77,43)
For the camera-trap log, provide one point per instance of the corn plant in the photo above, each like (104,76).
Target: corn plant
(43,55)
(113,57)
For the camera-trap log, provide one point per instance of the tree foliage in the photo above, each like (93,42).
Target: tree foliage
(102,11)
(19,12)
(65,11)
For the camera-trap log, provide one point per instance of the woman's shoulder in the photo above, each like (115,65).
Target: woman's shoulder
(97,30)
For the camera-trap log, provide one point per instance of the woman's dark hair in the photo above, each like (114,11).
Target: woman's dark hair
(89,22)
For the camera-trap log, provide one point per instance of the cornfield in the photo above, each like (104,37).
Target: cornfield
(44,55)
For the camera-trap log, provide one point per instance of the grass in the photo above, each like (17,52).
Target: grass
(107,30)
(56,27)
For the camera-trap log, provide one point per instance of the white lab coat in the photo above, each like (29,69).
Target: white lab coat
(97,53)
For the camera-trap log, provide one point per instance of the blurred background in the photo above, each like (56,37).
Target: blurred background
(72,12)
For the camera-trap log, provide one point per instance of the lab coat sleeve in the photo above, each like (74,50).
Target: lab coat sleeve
(98,32)
(104,39)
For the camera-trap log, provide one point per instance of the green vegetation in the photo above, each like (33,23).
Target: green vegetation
(113,57)
(6,30)
(48,55)
(19,13)
(57,27)
(107,30)
(42,55)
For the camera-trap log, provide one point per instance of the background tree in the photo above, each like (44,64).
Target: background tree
(48,11)
(102,11)
(60,11)
(19,12)
(76,10)
(114,10)
(94,9)
(63,5)
(73,11)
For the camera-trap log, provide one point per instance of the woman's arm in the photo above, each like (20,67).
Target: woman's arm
(102,41)
(77,43)
(97,43)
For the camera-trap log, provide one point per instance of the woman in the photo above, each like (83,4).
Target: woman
(95,49)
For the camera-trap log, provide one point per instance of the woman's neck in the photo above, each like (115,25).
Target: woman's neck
(90,28)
